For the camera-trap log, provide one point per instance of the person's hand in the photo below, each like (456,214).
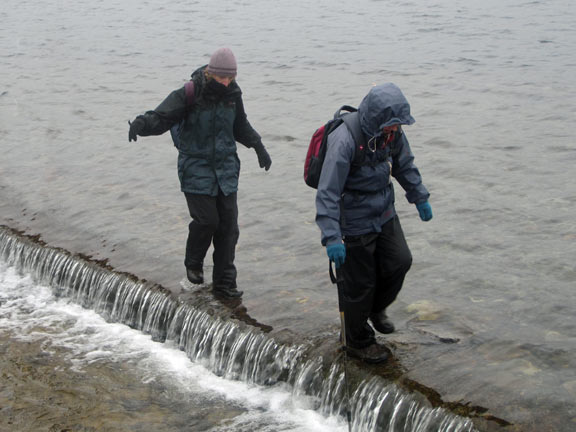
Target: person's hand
(425,211)
(263,157)
(336,254)
(136,128)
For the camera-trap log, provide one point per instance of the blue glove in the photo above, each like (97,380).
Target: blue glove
(425,211)
(336,253)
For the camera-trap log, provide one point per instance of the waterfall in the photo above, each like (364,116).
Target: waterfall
(225,346)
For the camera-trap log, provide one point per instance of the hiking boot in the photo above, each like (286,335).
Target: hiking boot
(195,276)
(228,292)
(371,354)
(381,322)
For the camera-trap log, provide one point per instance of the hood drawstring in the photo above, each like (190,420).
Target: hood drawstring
(386,139)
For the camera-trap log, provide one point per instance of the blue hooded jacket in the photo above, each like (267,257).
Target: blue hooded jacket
(355,202)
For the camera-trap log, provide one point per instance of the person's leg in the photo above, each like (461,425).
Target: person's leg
(225,240)
(358,272)
(394,260)
(204,214)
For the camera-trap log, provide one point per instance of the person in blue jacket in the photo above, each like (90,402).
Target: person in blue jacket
(356,215)
(211,119)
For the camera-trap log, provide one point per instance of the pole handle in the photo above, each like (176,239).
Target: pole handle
(335,275)
(333,278)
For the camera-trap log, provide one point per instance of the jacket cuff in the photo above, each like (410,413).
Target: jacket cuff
(333,241)
(421,201)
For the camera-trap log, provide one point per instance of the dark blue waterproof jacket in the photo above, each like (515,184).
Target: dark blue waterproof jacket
(358,200)
(207,160)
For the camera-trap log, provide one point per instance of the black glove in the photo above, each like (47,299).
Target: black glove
(263,156)
(136,128)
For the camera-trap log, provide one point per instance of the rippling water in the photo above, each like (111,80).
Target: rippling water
(493,92)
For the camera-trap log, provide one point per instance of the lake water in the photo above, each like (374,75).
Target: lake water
(493,92)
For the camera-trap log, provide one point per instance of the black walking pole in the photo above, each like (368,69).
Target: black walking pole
(339,281)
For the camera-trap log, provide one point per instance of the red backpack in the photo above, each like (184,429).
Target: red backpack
(318,143)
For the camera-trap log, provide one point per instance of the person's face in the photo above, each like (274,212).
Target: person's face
(223,80)
(388,129)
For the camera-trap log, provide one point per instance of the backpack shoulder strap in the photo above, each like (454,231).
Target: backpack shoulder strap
(348,108)
(175,129)
(352,122)
(189,89)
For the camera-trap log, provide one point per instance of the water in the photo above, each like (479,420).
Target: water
(493,93)
(289,386)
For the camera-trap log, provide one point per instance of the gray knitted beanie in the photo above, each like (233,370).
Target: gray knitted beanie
(222,63)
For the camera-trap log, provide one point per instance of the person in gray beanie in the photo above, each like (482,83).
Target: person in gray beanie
(206,118)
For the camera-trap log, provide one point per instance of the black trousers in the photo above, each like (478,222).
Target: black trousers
(214,220)
(373,273)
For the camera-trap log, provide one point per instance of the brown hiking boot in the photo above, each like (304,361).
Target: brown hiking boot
(371,354)
(381,322)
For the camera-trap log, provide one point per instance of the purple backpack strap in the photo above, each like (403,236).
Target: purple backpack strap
(189,89)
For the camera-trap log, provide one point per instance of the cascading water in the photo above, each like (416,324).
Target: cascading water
(229,348)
